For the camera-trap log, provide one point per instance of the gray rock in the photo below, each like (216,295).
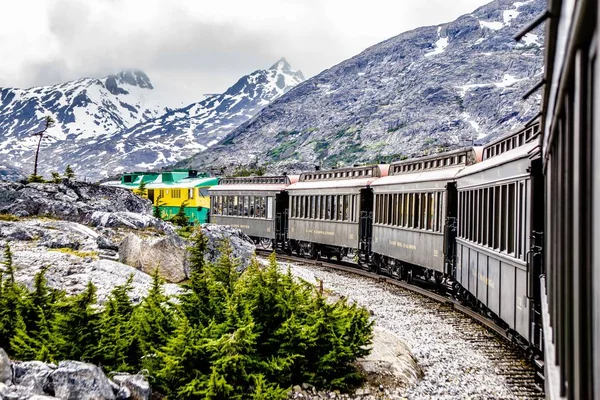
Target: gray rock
(105,243)
(5,368)
(243,246)
(79,380)
(124,393)
(33,376)
(129,220)
(69,200)
(138,387)
(167,253)
(42,397)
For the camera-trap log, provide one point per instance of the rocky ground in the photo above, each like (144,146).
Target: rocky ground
(458,358)
(82,232)
(35,380)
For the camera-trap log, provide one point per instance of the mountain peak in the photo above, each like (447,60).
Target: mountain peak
(283,66)
(132,77)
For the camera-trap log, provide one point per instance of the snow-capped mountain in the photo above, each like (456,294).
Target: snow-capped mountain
(114,124)
(433,88)
(183,132)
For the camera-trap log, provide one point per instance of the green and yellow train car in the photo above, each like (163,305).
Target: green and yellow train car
(169,190)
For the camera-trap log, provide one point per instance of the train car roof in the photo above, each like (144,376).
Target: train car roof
(442,174)
(255,183)
(349,177)
(333,184)
(527,150)
(183,183)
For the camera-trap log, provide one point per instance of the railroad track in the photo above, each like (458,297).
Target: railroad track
(491,341)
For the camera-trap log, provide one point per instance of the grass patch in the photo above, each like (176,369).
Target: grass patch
(185,232)
(77,253)
(9,217)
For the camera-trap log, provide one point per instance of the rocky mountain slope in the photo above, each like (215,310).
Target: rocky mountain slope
(114,124)
(431,88)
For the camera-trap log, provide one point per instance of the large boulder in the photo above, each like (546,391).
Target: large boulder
(5,368)
(166,253)
(132,220)
(68,200)
(33,376)
(135,385)
(82,381)
(243,247)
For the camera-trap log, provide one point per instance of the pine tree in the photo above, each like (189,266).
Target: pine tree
(55,177)
(119,345)
(48,123)
(11,300)
(157,208)
(69,173)
(156,322)
(141,190)
(180,218)
(76,326)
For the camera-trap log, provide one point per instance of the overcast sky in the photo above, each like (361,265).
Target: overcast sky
(197,46)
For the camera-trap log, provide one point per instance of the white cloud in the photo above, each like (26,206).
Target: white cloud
(193,47)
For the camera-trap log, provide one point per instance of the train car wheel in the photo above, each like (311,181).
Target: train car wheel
(338,257)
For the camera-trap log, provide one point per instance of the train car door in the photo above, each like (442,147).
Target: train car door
(365,224)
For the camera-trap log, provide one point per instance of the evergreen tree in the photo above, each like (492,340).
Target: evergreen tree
(69,173)
(55,177)
(119,346)
(76,326)
(157,208)
(141,190)
(155,322)
(48,123)
(11,300)
(180,218)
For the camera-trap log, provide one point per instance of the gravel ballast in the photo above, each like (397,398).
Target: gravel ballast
(460,358)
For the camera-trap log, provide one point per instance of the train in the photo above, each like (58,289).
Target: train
(469,220)
(170,190)
(462,218)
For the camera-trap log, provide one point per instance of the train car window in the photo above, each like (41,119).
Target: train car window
(340,208)
(484,216)
(190,193)
(520,223)
(311,207)
(497,217)
(270,207)
(511,219)
(431,206)
(440,211)
(346,216)
(415,211)
(503,217)
(327,207)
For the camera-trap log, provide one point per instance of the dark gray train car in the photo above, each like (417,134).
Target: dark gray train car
(413,206)
(330,211)
(256,205)
(494,228)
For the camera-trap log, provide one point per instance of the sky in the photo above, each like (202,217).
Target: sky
(190,48)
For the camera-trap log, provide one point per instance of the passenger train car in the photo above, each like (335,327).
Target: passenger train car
(415,214)
(256,205)
(571,166)
(330,211)
(169,190)
(498,199)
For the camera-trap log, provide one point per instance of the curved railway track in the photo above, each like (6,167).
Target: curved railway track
(509,361)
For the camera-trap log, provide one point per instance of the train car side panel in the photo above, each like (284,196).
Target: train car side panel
(424,249)
(334,233)
(253,227)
